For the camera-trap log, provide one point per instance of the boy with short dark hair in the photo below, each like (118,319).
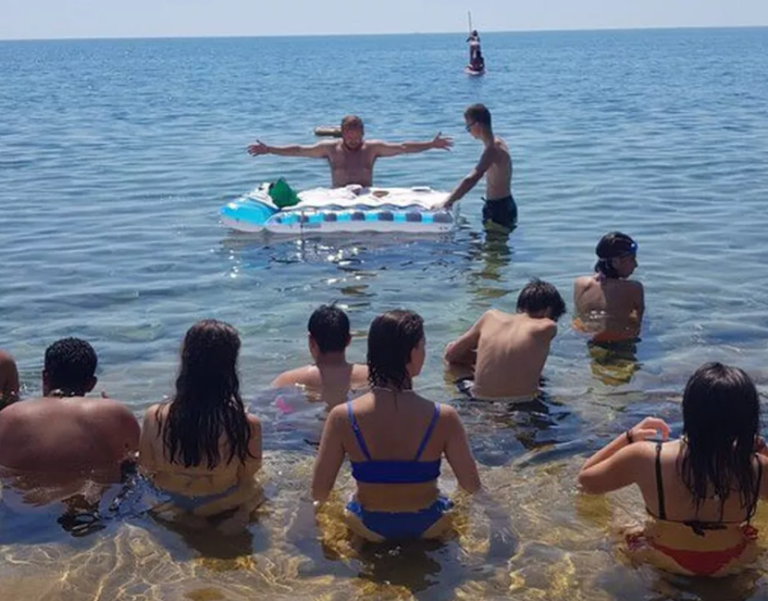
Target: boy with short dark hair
(509,351)
(330,377)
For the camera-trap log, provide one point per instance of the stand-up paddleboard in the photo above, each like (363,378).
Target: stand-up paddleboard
(473,72)
(352,209)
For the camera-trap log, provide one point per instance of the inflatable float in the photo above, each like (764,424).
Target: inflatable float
(351,209)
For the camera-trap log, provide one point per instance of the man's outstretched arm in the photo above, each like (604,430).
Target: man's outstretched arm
(388,149)
(316,151)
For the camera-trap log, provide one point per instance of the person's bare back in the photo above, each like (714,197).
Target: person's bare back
(331,384)
(332,377)
(609,308)
(67,435)
(509,351)
(510,354)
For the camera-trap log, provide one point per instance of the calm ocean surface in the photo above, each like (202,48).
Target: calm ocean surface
(115,157)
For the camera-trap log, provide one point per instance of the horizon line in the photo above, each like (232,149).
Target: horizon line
(379,34)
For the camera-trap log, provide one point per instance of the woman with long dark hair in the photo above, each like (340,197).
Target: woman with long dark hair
(395,440)
(608,304)
(701,490)
(202,448)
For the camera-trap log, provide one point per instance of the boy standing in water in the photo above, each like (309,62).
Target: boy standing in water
(509,351)
(495,163)
(331,375)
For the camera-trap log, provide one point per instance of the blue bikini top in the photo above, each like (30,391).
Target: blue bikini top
(394,472)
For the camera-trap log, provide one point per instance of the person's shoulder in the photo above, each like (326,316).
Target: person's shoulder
(494,315)
(583,281)
(297,376)
(107,406)
(338,414)
(359,372)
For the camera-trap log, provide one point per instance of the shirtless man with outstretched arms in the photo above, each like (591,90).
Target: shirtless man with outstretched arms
(351,158)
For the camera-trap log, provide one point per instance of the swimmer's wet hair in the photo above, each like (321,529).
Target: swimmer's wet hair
(612,246)
(391,339)
(539,295)
(479,113)
(70,364)
(721,420)
(329,327)
(351,122)
(207,405)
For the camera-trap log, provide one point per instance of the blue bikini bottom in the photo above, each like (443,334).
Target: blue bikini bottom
(401,525)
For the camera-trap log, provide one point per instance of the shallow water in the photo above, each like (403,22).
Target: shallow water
(116,156)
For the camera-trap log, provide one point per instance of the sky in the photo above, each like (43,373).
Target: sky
(44,19)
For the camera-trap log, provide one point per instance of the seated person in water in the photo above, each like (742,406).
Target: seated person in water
(607,304)
(499,209)
(701,490)
(9,380)
(508,352)
(202,448)
(351,159)
(331,377)
(64,434)
(395,440)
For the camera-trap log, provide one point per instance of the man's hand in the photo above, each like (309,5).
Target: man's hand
(440,142)
(258,148)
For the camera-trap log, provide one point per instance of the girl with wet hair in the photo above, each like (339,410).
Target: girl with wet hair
(395,440)
(613,247)
(701,490)
(202,448)
(608,305)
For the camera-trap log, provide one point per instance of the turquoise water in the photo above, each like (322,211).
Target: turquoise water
(115,157)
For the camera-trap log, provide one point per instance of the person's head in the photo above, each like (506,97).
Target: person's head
(478,120)
(540,299)
(352,131)
(207,401)
(70,365)
(395,349)
(328,331)
(474,33)
(721,420)
(616,255)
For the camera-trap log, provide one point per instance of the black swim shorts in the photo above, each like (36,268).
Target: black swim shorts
(501,212)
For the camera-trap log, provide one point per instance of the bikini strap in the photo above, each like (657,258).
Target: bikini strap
(659,483)
(428,433)
(356,430)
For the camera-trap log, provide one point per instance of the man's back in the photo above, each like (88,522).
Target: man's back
(511,353)
(67,434)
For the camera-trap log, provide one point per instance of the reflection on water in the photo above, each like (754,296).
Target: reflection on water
(489,255)
(614,363)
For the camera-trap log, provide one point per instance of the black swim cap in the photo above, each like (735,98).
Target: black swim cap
(614,245)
